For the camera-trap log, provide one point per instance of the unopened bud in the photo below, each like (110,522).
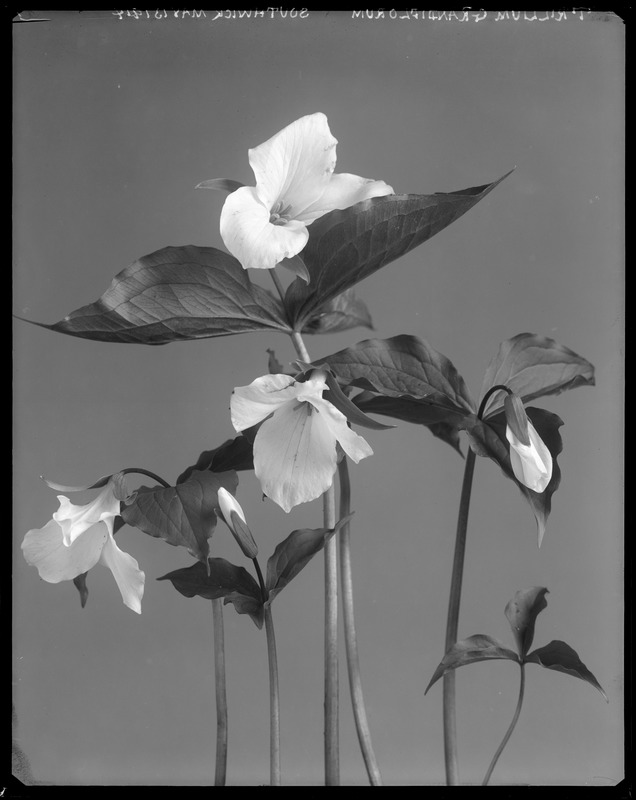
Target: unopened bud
(517,418)
(235,520)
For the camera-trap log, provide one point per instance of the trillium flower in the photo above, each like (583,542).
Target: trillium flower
(235,520)
(78,537)
(295,184)
(295,449)
(531,460)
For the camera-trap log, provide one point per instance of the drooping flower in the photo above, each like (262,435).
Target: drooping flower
(235,520)
(295,449)
(531,462)
(78,537)
(295,184)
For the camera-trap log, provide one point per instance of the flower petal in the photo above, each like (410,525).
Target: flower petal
(45,549)
(342,191)
(252,404)
(293,168)
(354,445)
(126,572)
(74,520)
(294,455)
(531,464)
(249,235)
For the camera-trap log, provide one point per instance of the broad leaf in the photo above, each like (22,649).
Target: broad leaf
(522,612)
(346,246)
(182,515)
(226,580)
(294,553)
(344,312)
(175,294)
(488,438)
(562,658)
(403,366)
(534,366)
(468,651)
(233,454)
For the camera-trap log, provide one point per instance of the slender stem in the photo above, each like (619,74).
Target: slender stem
(274,696)
(332,759)
(522,684)
(221,695)
(450,722)
(351,640)
(274,701)
(146,472)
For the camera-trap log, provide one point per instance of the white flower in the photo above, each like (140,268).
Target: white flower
(262,225)
(77,538)
(295,454)
(531,463)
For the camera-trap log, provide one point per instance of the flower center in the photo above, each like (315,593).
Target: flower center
(279,215)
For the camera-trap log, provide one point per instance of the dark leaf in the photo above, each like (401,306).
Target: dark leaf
(175,294)
(489,438)
(346,246)
(342,313)
(522,612)
(220,185)
(234,454)
(80,585)
(468,651)
(534,366)
(294,553)
(403,366)
(226,580)
(562,658)
(182,515)
(296,265)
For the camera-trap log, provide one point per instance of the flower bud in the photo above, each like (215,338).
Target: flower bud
(531,463)
(235,520)
(517,418)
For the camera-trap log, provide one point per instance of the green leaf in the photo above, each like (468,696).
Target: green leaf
(294,553)
(342,313)
(488,438)
(534,366)
(175,294)
(522,612)
(182,515)
(234,454)
(562,658)
(403,366)
(348,245)
(220,579)
(468,651)
(220,185)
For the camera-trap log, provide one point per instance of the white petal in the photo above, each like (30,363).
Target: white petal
(252,404)
(342,191)
(229,503)
(74,520)
(249,235)
(531,464)
(294,455)
(45,549)
(126,572)
(293,168)
(354,445)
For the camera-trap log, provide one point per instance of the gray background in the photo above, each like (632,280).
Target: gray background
(115,122)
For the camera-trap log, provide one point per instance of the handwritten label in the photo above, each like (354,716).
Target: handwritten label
(473,16)
(211,16)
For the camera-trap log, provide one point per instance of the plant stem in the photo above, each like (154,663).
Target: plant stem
(522,684)
(450,721)
(274,697)
(351,641)
(221,695)
(148,473)
(274,701)
(332,758)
